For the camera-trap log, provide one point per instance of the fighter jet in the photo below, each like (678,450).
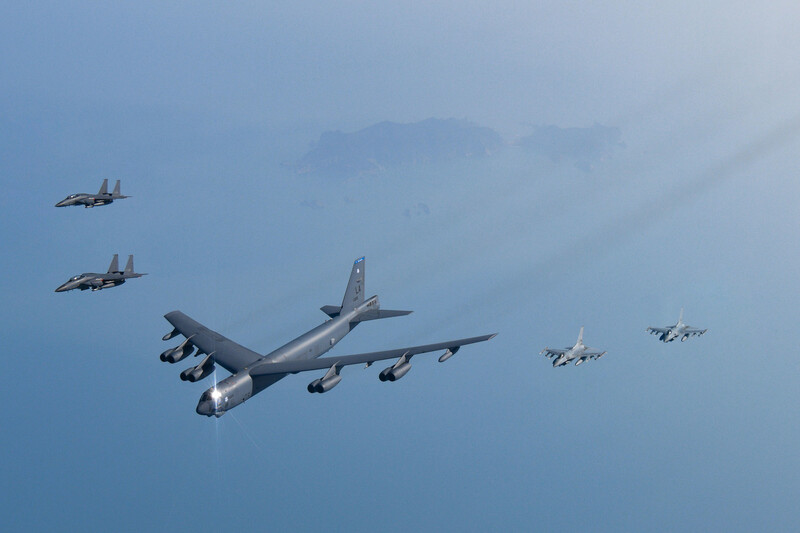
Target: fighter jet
(670,333)
(579,351)
(96,282)
(91,200)
(252,373)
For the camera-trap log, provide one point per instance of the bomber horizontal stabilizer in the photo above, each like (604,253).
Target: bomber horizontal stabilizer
(376,314)
(331,310)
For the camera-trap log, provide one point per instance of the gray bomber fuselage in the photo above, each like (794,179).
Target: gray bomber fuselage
(239,387)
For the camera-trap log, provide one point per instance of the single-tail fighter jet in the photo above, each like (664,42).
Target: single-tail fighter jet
(670,333)
(580,351)
(252,373)
(90,200)
(96,282)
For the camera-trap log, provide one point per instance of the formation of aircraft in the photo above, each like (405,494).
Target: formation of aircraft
(679,329)
(578,353)
(251,373)
(96,282)
(102,197)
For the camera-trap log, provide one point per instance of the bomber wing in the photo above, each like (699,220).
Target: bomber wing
(292,367)
(231,356)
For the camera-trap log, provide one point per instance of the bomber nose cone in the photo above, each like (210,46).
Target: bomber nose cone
(205,408)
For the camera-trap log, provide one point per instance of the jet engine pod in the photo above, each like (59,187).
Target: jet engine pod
(448,354)
(327,384)
(178,353)
(199,372)
(312,387)
(398,372)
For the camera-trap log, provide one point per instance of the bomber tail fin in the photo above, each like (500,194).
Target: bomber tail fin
(114,266)
(129,265)
(354,295)
(104,187)
(116,190)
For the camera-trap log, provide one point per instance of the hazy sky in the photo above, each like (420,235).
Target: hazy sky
(199,106)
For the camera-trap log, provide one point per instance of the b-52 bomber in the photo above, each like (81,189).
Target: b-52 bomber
(252,373)
(580,351)
(91,200)
(670,333)
(96,282)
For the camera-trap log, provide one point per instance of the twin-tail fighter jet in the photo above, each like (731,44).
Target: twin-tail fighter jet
(670,333)
(91,200)
(96,282)
(252,373)
(580,351)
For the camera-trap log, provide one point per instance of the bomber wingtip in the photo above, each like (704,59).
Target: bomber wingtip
(492,336)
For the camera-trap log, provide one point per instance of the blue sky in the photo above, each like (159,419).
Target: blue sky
(198,106)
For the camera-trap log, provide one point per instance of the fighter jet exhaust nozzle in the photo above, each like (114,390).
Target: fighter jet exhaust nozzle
(327,384)
(394,373)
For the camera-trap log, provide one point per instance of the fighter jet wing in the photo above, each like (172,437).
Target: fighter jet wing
(594,355)
(231,356)
(292,367)
(552,352)
(657,331)
(694,332)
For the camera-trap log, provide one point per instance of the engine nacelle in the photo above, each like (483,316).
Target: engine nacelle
(393,373)
(180,352)
(197,373)
(327,384)
(312,387)
(448,354)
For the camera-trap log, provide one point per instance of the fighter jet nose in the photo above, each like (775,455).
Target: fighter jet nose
(62,288)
